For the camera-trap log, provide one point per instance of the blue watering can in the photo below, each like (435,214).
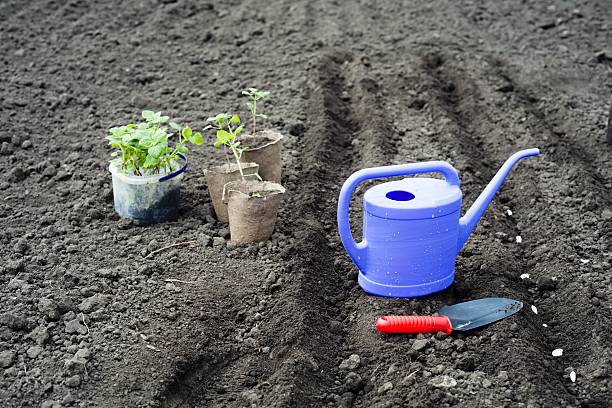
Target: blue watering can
(412,230)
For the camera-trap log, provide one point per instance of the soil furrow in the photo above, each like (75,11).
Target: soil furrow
(563,154)
(310,369)
(531,266)
(468,110)
(558,146)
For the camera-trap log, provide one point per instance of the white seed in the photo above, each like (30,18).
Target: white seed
(525,276)
(557,352)
(573,376)
(509,212)
(519,239)
(534,309)
(544,325)
(585,261)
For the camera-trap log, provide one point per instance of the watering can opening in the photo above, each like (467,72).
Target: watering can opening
(400,195)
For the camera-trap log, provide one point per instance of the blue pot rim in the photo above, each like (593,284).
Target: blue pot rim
(176,172)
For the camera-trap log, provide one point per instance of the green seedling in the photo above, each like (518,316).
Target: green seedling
(255,95)
(143,148)
(227,128)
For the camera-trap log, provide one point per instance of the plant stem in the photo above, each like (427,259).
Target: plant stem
(175,151)
(226,157)
(254,114)
(237,156)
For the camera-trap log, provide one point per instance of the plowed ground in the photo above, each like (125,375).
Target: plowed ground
(354,84)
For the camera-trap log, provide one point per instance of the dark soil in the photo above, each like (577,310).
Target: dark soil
(91,316)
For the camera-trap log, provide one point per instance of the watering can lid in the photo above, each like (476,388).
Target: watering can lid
(413,198)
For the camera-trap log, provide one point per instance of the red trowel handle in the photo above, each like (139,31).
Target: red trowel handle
(414,324)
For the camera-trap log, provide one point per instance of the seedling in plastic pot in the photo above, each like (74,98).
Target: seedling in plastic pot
(147,170)
(144,148)
(255,95)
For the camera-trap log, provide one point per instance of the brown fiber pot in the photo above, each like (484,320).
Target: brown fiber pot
(264,148)
(218,176)
(252,218)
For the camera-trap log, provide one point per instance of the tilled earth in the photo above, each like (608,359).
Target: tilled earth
(92,316)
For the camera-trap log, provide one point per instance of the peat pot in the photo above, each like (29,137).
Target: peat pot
(218,176)
(147,199)
(264,148)
(252,208)
(412,228)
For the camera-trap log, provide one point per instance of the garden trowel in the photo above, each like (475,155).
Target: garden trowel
(462,316)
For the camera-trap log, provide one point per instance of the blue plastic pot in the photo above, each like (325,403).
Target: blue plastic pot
(147,199)
(412,229)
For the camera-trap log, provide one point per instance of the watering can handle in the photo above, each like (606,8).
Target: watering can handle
(357,250)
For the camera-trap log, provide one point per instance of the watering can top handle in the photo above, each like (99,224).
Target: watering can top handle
(356,250)
(449,172)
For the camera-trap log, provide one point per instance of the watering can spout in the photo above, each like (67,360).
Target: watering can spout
(468,222)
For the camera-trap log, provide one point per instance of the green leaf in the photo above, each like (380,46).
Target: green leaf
(150,162)
(155,151)
(220,118)
(235,119)
(224,136)
(146,141)
(145,145)
(187,132)
(197,138)
(162,137)
(238,130)
(129,138)
(256,94)
(155,118)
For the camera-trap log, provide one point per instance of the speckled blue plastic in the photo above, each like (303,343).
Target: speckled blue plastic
(150,199)
(412,229)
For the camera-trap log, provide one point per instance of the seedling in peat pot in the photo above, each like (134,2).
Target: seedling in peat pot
(250,207)
(227,129)
(255,95)
(264,145)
